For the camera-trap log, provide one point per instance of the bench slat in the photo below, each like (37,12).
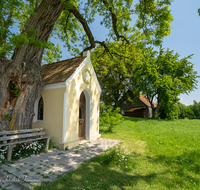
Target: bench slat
(21,136)
(20,131)
(18,142)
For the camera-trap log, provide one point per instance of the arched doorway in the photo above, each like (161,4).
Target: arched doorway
(82,116)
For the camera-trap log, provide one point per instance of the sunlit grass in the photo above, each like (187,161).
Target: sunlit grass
(161,155)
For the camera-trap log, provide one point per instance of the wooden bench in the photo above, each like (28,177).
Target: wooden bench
(10,138)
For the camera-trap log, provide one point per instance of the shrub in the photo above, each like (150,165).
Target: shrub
(102,107)
(111,118)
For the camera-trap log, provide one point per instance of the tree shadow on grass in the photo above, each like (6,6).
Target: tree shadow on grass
(186,167)
(96,176)
(133,119)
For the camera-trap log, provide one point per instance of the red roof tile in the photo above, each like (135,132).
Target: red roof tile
(133,109)
(60,71)
(144,99)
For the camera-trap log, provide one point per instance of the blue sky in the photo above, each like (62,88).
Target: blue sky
(184,38)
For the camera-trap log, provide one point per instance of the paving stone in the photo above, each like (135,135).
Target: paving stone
(53,177)
(63,161)
(29,179)
(37,177)
(27,185)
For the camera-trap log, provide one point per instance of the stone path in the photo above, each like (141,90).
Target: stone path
(48,166)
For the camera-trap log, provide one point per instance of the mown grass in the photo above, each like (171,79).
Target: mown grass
(159,155)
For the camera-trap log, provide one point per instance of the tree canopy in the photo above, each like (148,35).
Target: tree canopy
(39,20)
(73,24)
(162,76)
(115,70)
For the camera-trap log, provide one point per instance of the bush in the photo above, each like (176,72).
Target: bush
(102,107)
(111,118)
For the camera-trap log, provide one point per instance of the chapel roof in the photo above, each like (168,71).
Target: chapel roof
(60,71)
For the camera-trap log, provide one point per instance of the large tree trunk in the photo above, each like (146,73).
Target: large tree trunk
(23,71)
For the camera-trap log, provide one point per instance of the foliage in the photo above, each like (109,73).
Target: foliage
(196,109)
(111,118)
(67,148)
(115,72)
(14,90)
(50,145)
(162,76)
(190,112)
(3,151)
(168,111)
(26,149)
(155,19)
(153,22)
(52,53)
(103,107)
(8,117)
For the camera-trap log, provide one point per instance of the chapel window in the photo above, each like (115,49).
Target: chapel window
(40,109)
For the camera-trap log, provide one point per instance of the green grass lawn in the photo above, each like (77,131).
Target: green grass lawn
(158,155)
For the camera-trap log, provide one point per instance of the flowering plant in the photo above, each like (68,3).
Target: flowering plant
(24,150)
(3,151)
(117,157)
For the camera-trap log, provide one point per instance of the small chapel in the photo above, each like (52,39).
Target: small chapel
(68,104)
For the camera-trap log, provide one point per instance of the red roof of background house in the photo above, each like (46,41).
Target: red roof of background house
(60,71)
(133,109)
(144,99)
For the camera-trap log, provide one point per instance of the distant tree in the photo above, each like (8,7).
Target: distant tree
(196,109)
(185,111)
(168,110)
(182,110)
(110,118)
(189,112)
(162,76)
(115,72)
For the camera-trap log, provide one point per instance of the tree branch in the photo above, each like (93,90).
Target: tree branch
(84,23)
(114,22)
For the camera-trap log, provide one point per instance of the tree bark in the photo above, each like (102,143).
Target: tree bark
(23,71)
(155,109)
(154,113)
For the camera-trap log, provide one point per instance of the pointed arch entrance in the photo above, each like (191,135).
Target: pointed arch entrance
(85,115)
(82,113)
